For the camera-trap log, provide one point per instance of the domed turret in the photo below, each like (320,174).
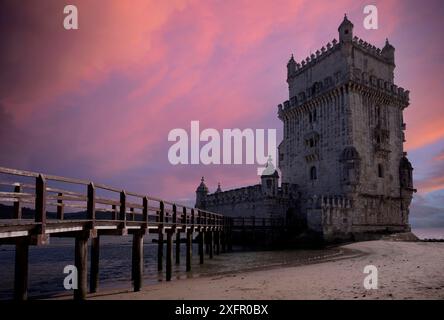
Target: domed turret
(291,67)
(345,30)
(201,194)
(388,52)
(270,178)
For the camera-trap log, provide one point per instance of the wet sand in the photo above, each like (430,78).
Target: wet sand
(406,270)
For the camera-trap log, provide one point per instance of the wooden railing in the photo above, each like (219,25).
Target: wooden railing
(124,207)
(94,210)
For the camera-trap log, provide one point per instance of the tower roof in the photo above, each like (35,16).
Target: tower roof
(270,170)
(345,23)
(387,46)
(202,187)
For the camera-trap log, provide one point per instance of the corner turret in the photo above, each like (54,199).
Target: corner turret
(291,67)
(388,52)
(345,30)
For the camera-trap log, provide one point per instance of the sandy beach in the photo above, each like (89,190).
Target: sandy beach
(406,270)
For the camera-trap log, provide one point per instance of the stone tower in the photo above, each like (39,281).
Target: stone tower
(344,173)
(343,138)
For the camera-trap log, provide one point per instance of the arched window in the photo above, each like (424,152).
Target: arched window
(380,171)
(313,174)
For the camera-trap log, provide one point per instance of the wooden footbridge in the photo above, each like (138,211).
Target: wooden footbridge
(85,210)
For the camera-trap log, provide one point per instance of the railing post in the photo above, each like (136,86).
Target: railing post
(91,205)
(160,238)
(17,203)
(122,212)
(114,214)
(184,220)
(60,208)
(133,215)
(145,213)
(40,208)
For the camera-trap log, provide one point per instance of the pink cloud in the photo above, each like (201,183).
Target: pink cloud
(105,96)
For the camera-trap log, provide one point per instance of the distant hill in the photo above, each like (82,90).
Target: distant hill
(6,212)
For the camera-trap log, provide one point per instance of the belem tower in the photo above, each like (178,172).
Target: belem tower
(344,173)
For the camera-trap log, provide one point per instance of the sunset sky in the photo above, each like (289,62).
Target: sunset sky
(97,103)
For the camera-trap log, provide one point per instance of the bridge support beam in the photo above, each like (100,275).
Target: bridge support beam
(189,249)
(95,255)
(201,246)
(21,270)
(169,255)
(81,263)
(177,247)
(137,261)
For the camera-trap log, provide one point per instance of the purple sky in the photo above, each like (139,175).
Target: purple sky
(97,103)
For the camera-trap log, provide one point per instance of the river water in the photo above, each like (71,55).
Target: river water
(46,263)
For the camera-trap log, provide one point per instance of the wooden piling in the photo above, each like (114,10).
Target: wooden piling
(217,242)
(169,255)
(21,270)
(177,247)
(189,245)
(94,273)
(160,219)
(160,251)
(137,261)
(211,243)
(201,246)
(81,263)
